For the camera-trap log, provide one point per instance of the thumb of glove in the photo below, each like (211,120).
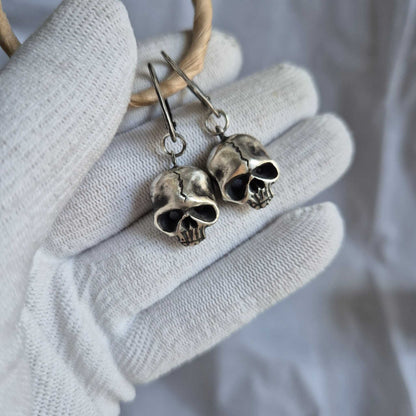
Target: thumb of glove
(63,95)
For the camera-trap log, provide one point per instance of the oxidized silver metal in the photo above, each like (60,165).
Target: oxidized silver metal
(205,100)
(184,203)
(240,164)
(183,197)
(170,152)
(243,170)
(217,130)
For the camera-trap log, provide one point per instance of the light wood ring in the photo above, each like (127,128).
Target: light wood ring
(192,63)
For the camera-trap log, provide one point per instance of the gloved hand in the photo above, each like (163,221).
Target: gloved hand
(102,298)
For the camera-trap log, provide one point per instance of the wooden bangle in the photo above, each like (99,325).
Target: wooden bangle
(192,63)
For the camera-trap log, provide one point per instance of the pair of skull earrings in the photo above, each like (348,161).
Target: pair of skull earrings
(183,197)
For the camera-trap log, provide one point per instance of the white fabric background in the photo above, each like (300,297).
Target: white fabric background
(345,344)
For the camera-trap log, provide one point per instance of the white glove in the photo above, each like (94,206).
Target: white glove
(102,298)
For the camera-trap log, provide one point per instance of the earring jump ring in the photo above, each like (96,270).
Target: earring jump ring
(217,130)
(170,152)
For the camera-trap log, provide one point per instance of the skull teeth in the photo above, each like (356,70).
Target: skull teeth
(191,237)
(261,198)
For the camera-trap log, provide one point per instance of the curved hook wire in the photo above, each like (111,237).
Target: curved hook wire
(167,113)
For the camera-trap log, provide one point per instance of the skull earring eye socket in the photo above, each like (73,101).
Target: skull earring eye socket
(236,188)
(266,171)
(168,221)
(204,213)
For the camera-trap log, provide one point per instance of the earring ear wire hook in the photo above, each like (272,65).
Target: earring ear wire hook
(167,113)
(205,100)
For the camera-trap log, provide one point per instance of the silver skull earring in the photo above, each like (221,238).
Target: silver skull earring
(183,196)
(240,164)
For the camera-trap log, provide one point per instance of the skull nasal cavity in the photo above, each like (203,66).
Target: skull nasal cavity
(256,185)
(189,223)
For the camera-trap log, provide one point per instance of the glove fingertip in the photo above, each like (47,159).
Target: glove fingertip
(324,230)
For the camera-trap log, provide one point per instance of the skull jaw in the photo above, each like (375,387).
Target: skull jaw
(259,205)
(260,199)
(253,200)
(191,237)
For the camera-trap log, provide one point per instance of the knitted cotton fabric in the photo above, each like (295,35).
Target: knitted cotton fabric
(53,94)
(102,298)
